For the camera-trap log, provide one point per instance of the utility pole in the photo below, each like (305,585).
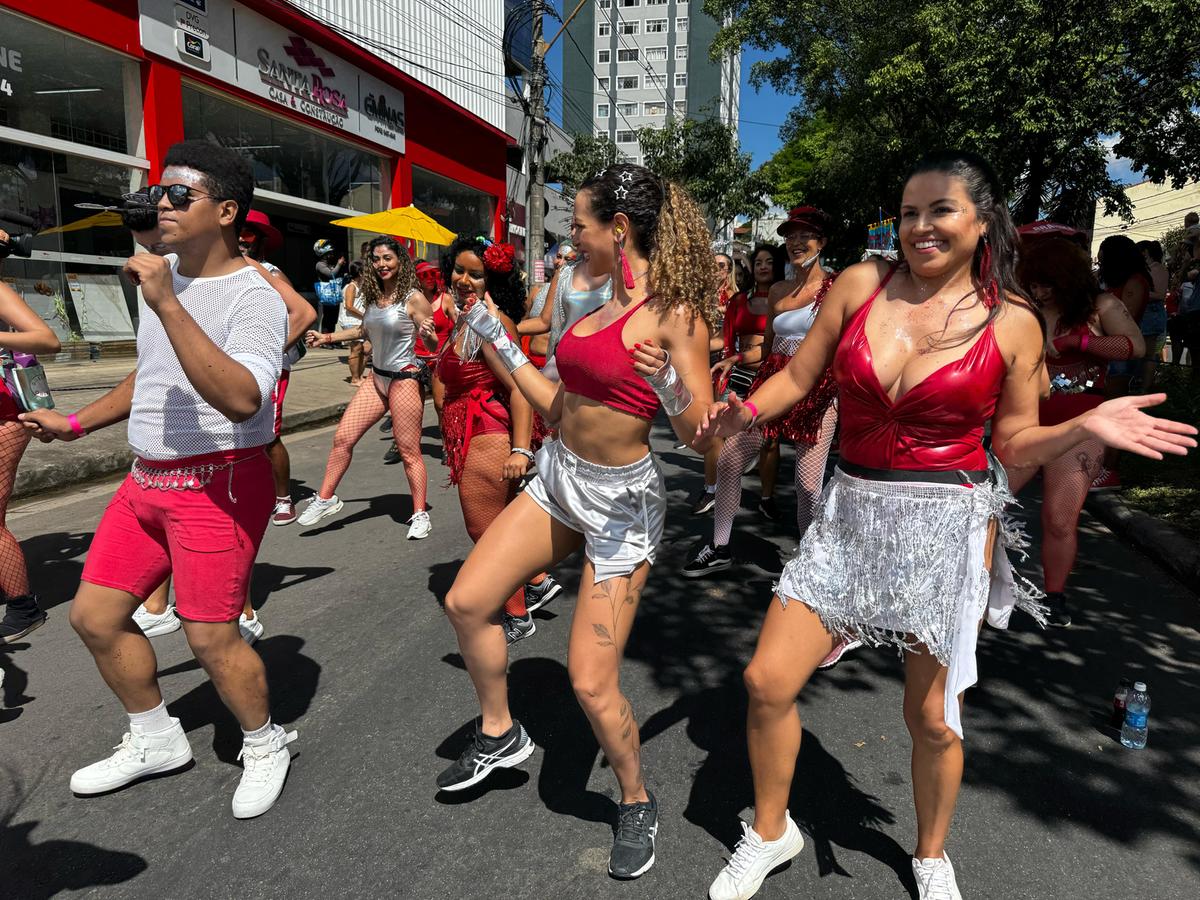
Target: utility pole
(535,230)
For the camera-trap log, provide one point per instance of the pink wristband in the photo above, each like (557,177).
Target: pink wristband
(73,421)
(749,404)
(1083,341)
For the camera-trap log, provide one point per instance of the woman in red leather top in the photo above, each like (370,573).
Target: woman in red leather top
(433,286)
(598,485)
(1088,330)
(487,427)
(908,549)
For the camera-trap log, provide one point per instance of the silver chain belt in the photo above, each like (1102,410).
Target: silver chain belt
(184,478)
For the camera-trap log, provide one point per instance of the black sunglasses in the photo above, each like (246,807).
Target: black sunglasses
(178,195)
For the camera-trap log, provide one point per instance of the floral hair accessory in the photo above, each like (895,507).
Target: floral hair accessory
(500,258)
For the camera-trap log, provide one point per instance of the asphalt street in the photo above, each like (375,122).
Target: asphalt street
(363,663)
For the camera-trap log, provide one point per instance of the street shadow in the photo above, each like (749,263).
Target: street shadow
(13,696)
(292,677)
(268,578)
(39,871)
(55,562)
(441,579)
(397,507)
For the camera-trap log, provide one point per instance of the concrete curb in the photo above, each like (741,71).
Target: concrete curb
(94,465)
(1171,549)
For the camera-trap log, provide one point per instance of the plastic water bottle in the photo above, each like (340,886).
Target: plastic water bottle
(1137,715)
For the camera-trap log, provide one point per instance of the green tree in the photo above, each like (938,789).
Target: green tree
(587,156)
(703,155)
(1039,88)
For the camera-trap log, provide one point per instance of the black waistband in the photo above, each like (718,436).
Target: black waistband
(416,374)
(956,476)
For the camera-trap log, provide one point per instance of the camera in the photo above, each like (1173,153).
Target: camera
(17,244)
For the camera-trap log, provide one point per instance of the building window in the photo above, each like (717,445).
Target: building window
(602,110)
(602,83)
(601,134)
(681,51)
(656,54)
(629,55)
(604,29)
(603,56)
(628,83)
(657,2)
(626,137)
(628,3)
(629,27)
(650,108)
(681,107)
(629,109)
(656,26)
(656,80)
(681,79)
(603,4)
(681,23)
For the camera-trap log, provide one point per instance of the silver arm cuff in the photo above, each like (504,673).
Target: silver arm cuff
(671,390)
(491,329)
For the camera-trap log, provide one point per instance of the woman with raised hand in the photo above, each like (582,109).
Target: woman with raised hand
(395,316)
(908,550)
(598,486)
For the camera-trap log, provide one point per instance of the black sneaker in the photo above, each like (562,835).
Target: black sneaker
(517,629)
(21,616)
(633,847)
(392,456)
(768,509)
(485,754)
(538,595)
(386,425)
(702,502)
(708,559)
(1059,616)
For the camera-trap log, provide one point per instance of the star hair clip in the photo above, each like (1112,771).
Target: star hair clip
(622,192)
(626,177)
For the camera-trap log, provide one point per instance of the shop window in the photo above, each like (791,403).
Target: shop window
(462,209)
(288,158)
(58,86)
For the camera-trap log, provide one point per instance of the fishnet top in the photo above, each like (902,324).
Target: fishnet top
(247,319)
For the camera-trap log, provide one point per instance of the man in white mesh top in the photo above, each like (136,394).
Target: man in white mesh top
(197,501)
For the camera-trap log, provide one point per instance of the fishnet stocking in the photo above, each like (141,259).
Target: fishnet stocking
(1065,483)
(737,453)
(407,404)
(482,494)
(14,577)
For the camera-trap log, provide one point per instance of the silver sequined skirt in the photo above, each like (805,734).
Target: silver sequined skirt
(904,564)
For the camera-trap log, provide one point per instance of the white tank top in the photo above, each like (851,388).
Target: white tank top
(795,324)
(392,335)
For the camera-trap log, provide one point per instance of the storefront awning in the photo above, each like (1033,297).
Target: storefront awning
(404,222)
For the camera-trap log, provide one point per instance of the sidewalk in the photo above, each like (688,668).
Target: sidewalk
(317,394)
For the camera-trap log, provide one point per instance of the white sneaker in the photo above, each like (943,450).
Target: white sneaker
(752,861)
(264,770)
(153,625)
(419,526)
(318,509)
(935,878)
(137,756)
(251,629)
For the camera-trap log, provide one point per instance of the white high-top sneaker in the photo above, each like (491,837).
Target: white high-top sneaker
(265,767)
(752,861)
(137,756)
(935,878)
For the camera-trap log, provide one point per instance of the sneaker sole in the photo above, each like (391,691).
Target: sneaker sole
(700,573)
(546,598)
(325,514)
(790,854)
(160,630)
(846,648)
(284,521)
(638,874)
(158,771)
(508,763)
(13,638)
(704,510)
(419,537)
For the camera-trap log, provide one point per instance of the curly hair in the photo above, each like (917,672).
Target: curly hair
(668,228)
(507,289)
(371,285)
(227,173)
(1062,266)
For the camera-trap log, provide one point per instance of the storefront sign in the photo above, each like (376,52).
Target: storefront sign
(240,46)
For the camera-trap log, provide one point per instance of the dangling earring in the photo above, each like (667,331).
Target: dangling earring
(626,272)
(987,280)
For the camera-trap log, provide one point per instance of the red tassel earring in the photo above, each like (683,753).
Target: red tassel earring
(626,272)
(987,279)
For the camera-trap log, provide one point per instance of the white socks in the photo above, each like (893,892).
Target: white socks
(259,735)
(151,720)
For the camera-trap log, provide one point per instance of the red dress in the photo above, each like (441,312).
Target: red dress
(443,325)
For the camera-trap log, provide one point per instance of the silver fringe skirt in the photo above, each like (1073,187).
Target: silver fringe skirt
(904,564)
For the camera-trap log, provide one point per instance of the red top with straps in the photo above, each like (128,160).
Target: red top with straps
(739,320)
(597,367)
(443,325)
(935,426)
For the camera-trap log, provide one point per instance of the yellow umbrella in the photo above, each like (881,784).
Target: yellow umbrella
(106,219)
(404,221)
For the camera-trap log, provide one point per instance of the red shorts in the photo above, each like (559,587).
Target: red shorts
(8,405)
(199,535)
(277,398)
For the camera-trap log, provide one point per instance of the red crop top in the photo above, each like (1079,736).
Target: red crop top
(936,426)
(598,367)
(739,320)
